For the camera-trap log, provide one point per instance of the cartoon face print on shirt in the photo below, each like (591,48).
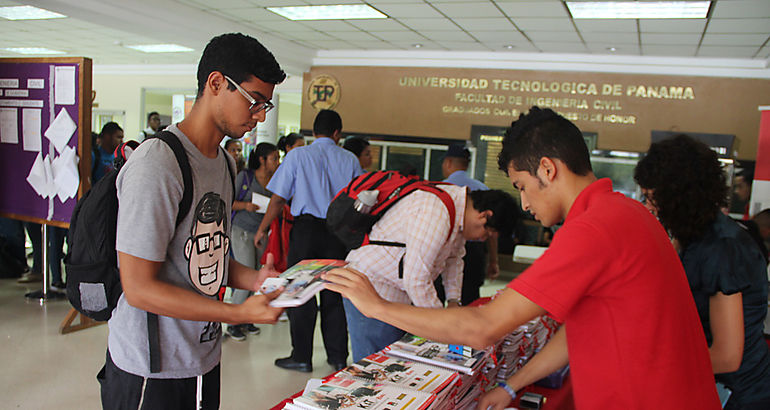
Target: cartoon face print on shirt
(208,245)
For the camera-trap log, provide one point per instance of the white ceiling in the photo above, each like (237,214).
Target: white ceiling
(734,29)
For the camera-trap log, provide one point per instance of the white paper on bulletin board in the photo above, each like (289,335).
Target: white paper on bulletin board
(30,123)
(9,125)
(64,85)
(61,130)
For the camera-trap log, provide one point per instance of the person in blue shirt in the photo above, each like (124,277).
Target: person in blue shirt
(310,177)
(455,170)
(103,153)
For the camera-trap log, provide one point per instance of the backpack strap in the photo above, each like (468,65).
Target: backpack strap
(184,165)
(153,333)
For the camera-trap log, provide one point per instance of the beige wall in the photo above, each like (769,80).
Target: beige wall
(156,102)
(621,108)
(124,92)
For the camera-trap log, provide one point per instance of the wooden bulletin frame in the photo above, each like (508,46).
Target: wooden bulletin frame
(15,162)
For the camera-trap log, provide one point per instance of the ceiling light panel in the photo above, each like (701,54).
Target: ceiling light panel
(32,50)
(160,48)
(639,10)
(332,12)
(28,13)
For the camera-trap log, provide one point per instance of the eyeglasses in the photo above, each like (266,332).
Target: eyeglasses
(255,106)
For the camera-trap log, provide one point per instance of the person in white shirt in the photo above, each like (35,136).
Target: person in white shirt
(434,246)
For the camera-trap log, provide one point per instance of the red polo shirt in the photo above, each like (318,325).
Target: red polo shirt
(633,333)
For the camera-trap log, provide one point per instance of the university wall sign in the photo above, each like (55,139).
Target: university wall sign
(621,109)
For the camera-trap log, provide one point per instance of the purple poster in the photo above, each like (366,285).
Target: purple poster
(39,128)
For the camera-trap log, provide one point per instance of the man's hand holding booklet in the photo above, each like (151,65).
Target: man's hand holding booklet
(300,282)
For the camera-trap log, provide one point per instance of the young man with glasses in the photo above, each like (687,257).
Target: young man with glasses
(179,271)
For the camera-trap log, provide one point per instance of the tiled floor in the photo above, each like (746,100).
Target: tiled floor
(42,369)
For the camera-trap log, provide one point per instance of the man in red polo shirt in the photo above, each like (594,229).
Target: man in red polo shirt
(631,332)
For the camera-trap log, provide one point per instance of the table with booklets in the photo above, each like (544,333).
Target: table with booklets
(447,388)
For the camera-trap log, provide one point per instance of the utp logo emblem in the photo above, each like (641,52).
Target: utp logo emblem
(323,93)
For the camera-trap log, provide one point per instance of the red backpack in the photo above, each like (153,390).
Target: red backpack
(353,227)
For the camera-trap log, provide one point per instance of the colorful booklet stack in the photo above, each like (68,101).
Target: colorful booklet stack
(517,348)
(438,354)
(417,373)
(344,392)
(470,364)
(406,374)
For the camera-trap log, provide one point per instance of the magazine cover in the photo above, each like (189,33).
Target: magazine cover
(342,393)
(438,354)
(378,368)
(303,281)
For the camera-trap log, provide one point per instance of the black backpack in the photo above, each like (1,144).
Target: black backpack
(93,278)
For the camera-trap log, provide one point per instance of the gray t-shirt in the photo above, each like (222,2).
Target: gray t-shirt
(247,220)
(194,256)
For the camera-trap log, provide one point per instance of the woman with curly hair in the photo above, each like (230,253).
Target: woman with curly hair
(685,187)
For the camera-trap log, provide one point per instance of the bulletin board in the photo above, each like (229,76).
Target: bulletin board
(45,137)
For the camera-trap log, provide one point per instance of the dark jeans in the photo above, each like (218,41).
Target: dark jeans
(122,390)
(368,335)
(310,239)
(56,237)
